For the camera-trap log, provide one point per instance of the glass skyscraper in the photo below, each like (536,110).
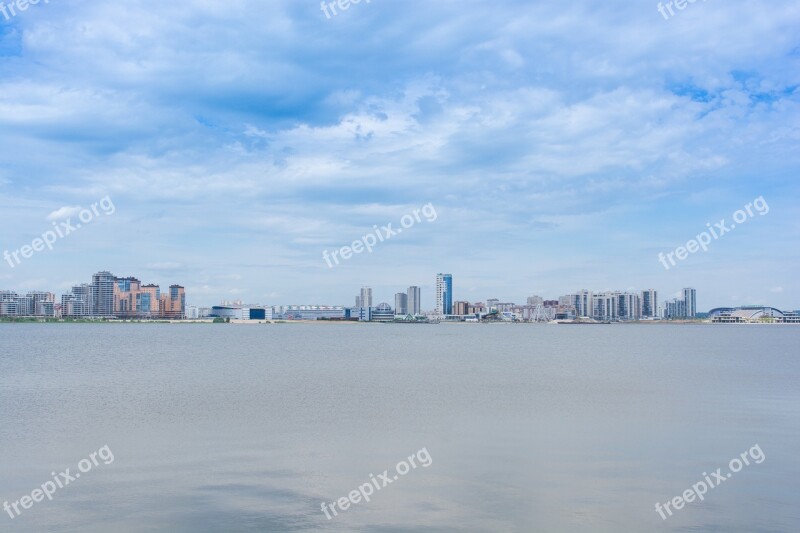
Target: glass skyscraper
(444,294)
(414,306)
(690,299)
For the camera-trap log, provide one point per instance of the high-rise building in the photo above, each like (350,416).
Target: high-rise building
(604,306)
(79,301)
(476,308)
(103,303)
(444,294)
(366,297)
(128,299)
(401,303)
(675,308)
(649,303)
(461,308)
(43,303)
(35,303)
(582,301)
(9,303)
(173,304)
(414,305)
(628,306)
(535,300)
(134,300)
(690,299)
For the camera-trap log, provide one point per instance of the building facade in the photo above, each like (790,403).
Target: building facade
(414,300)
(401,303)
(753,315)
(461,308)
(109,296)
(690,298)
(104,284)
(33,304)
(365,298)
(444,294)
(649,303)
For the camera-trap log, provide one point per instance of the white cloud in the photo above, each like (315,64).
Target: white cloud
(257,144)
(64,212)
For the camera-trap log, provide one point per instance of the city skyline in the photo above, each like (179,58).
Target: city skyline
(650,302)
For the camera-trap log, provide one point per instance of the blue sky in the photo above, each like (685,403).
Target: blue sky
(563,145)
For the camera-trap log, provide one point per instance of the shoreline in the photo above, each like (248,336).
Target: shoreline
(48,320)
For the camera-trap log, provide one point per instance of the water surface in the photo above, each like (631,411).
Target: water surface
(225,428)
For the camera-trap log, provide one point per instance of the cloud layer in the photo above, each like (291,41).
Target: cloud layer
(563,146)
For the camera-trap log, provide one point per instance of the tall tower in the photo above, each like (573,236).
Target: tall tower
(414,299)
(401,303)
(444,294)
(690,300)
(649,303)
(103,283)
(366,297)
(583,301)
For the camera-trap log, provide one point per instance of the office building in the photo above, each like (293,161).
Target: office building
(365,298)
(103,297)
(401,303)
(444,294)
(690,297)
(414,300)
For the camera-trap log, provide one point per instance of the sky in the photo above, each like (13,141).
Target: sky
(562,146)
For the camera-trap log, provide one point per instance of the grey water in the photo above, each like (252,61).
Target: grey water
(552,428)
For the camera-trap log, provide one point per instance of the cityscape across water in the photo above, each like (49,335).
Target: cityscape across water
(110,297)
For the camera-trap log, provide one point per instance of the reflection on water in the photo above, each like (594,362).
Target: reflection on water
(533,428)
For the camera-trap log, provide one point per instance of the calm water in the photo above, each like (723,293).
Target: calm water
(226,428)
